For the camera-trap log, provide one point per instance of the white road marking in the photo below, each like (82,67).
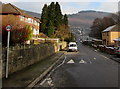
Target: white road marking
(94,58)
(47,78)
(95,50)
(104,56)
(82,61)
(50,82)
(71,61)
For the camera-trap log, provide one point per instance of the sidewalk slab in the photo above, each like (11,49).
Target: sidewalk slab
(25,77)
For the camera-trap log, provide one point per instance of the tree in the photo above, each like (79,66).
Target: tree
(58,15)
(51,13)
(50,29)
(99,25)
(44,19)
(65,20)
(57,24)
(116,18)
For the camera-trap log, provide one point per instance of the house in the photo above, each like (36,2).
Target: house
(9,10)
(117,41)
(109,34)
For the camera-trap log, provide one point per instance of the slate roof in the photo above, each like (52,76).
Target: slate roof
(117,39)
(12,9)
(112,28)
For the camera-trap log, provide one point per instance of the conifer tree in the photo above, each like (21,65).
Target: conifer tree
(65,20)
(50,29)
(44,19)
(58,15)
(51,13)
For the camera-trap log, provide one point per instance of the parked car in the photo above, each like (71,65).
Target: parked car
(72,46)
(117,51)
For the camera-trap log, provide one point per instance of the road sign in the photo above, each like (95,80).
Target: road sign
(8,27)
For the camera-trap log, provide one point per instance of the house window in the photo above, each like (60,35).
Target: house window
(107,34)
(21,18)
(107,42)
(32,21)
(37,32)
(34,31)
(35,22)
(29,20)
(26,19)
(38,24)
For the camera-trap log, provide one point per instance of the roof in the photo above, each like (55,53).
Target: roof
(109,28)
(12,9)
(117,39)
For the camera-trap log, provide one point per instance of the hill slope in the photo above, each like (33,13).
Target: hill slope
(85,18)
(82,18)
(33,14)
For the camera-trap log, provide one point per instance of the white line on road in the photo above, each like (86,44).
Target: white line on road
(52,72)
(104,56)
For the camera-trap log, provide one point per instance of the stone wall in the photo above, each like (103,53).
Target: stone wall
(23,56)
(62,45)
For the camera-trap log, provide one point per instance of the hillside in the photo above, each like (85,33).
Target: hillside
(34,14)
(82,18)
(85,18)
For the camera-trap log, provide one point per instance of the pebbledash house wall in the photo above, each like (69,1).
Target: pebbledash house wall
(33,23)
(23,56)
(110,36)
(24,20)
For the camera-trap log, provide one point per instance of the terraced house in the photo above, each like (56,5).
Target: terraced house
(11,11)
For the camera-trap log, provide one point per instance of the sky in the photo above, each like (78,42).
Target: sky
(68,6)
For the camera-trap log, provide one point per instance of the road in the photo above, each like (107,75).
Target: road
(86,68)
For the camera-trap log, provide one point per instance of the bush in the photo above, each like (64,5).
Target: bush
(22,35)
(14,22)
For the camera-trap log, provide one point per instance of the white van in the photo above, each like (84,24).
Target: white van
(72,46)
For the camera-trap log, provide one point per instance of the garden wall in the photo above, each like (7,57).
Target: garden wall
(23,56)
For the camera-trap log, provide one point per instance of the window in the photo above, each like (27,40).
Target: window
(21,18)
(38,24)
(26,19)
(107,34)
(29,20)
(35,22)
(32,21)
(34,31)
(37,32)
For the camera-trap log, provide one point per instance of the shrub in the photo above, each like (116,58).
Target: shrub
(21,35)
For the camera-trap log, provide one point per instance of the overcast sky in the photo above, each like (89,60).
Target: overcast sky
(68,6)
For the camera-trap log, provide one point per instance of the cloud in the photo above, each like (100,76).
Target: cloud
(109,7)
(68,7)
(30,6)
(60,0)
(73,7)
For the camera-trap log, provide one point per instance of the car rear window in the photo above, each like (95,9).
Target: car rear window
(72,45)
(118,48)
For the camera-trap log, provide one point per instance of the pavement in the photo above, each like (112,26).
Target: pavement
(29,76)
